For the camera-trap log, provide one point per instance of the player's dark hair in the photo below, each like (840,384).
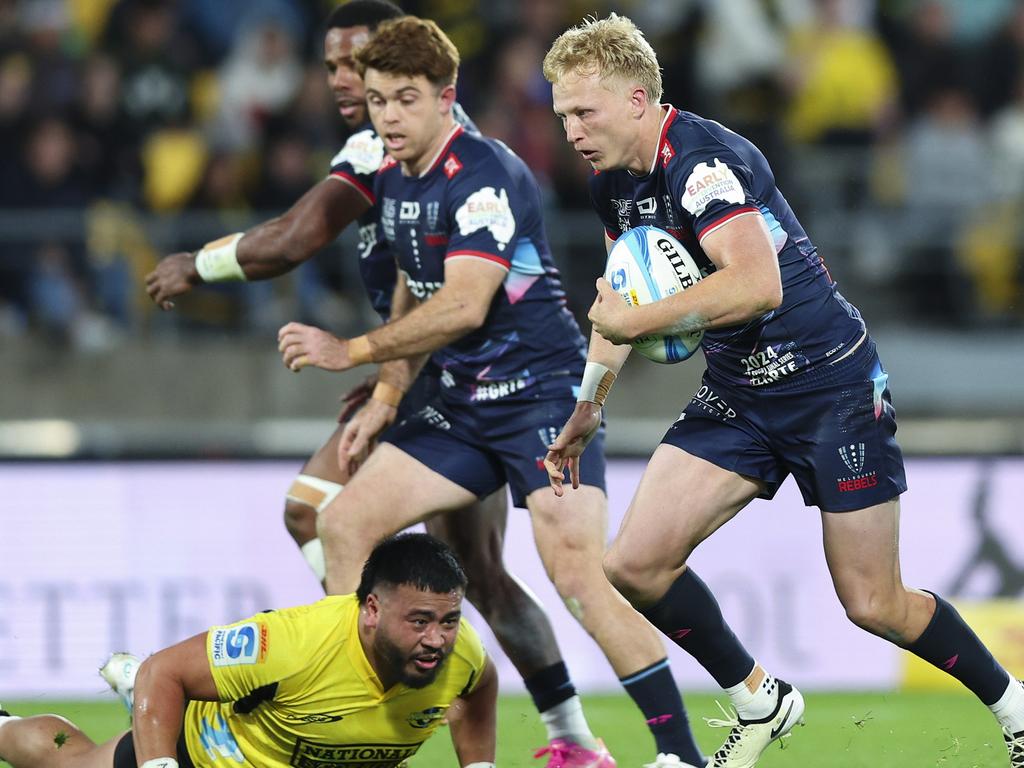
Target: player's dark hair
(363,13)
(415,559)
(410,47)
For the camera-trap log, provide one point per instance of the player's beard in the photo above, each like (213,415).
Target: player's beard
(398,663)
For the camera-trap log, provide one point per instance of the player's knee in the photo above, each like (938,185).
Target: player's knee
(876,612)
(307,497)
(622,575)
(300,521)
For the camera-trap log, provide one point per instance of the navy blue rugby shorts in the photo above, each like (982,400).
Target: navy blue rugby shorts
(483,446)
(833,428)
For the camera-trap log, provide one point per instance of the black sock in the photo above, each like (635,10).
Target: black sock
(655,692)
(550,687)
(949,644)
(688,614)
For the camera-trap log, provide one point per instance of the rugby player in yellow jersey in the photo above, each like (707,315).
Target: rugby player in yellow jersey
(358,680)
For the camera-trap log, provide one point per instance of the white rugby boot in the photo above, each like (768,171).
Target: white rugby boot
(1015,747)
(748,739)
(119,672)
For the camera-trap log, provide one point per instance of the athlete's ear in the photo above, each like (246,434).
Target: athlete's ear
(638,101)
(372,610)
(447,96)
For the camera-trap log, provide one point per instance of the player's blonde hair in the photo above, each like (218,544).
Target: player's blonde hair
(411,46)
(611,47)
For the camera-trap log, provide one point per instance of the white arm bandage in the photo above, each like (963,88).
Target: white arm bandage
(597,381)
(217,262)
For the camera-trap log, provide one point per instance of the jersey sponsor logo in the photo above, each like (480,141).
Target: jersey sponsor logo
(711,182)
(367,239)
(242,644)
(409,210)
(647,207)
(218,741)
(315,718)
(434,418)
(388,213)
(623,208)
(452,165)
(706,399)
(308,754)
(495,390)
(423,289)
(426,717)
(768,366)
(364,151)
(667,153)
(489,209)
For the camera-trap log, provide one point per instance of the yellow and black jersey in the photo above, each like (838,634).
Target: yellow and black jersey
(296,689)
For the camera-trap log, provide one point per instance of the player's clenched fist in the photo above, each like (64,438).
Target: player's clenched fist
(302,345)
(173,276)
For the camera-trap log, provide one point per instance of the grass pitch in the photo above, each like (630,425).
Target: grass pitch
(873,730)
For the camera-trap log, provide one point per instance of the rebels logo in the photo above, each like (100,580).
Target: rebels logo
(852,456)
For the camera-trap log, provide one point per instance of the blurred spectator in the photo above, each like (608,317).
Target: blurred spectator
(519,89)
(842,80)
(1004,62)
(259,79)
(107,151)
(927,57)
(947,179)
(46,26)
(155,60)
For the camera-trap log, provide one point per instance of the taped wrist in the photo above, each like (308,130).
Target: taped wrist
(359,350)
(597,382)
(217,262)
(387,393)
(160,762)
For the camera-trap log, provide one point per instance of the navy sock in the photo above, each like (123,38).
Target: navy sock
(688,614)
(654,691)
(550,687)
(951,645)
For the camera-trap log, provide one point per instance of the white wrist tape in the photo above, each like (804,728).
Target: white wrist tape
(479,765)
(160,762)
(217,262)
(597,381)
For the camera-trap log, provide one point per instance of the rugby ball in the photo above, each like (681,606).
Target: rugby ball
(647,264)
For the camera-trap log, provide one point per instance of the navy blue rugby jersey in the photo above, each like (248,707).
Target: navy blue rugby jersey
(703,176)
(357,163)
(478,200)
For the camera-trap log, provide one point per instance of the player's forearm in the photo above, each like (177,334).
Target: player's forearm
(474,731)
(158,712)
(430,326)
(397,376)
(612,356)
(720,300)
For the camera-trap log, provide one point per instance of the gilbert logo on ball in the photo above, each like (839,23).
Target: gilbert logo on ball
(645,265)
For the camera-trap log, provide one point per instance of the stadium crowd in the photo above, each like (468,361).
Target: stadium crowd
(132,128)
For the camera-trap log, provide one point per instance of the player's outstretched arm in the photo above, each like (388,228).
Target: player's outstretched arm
(604,360)
(474,724)
(265,251)
(166,681)
(459,307)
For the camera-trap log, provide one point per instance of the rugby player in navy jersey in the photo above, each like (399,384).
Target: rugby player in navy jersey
(789,357)
(462,214)
(277,246)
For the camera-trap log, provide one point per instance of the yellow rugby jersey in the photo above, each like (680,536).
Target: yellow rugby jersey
(296,689)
